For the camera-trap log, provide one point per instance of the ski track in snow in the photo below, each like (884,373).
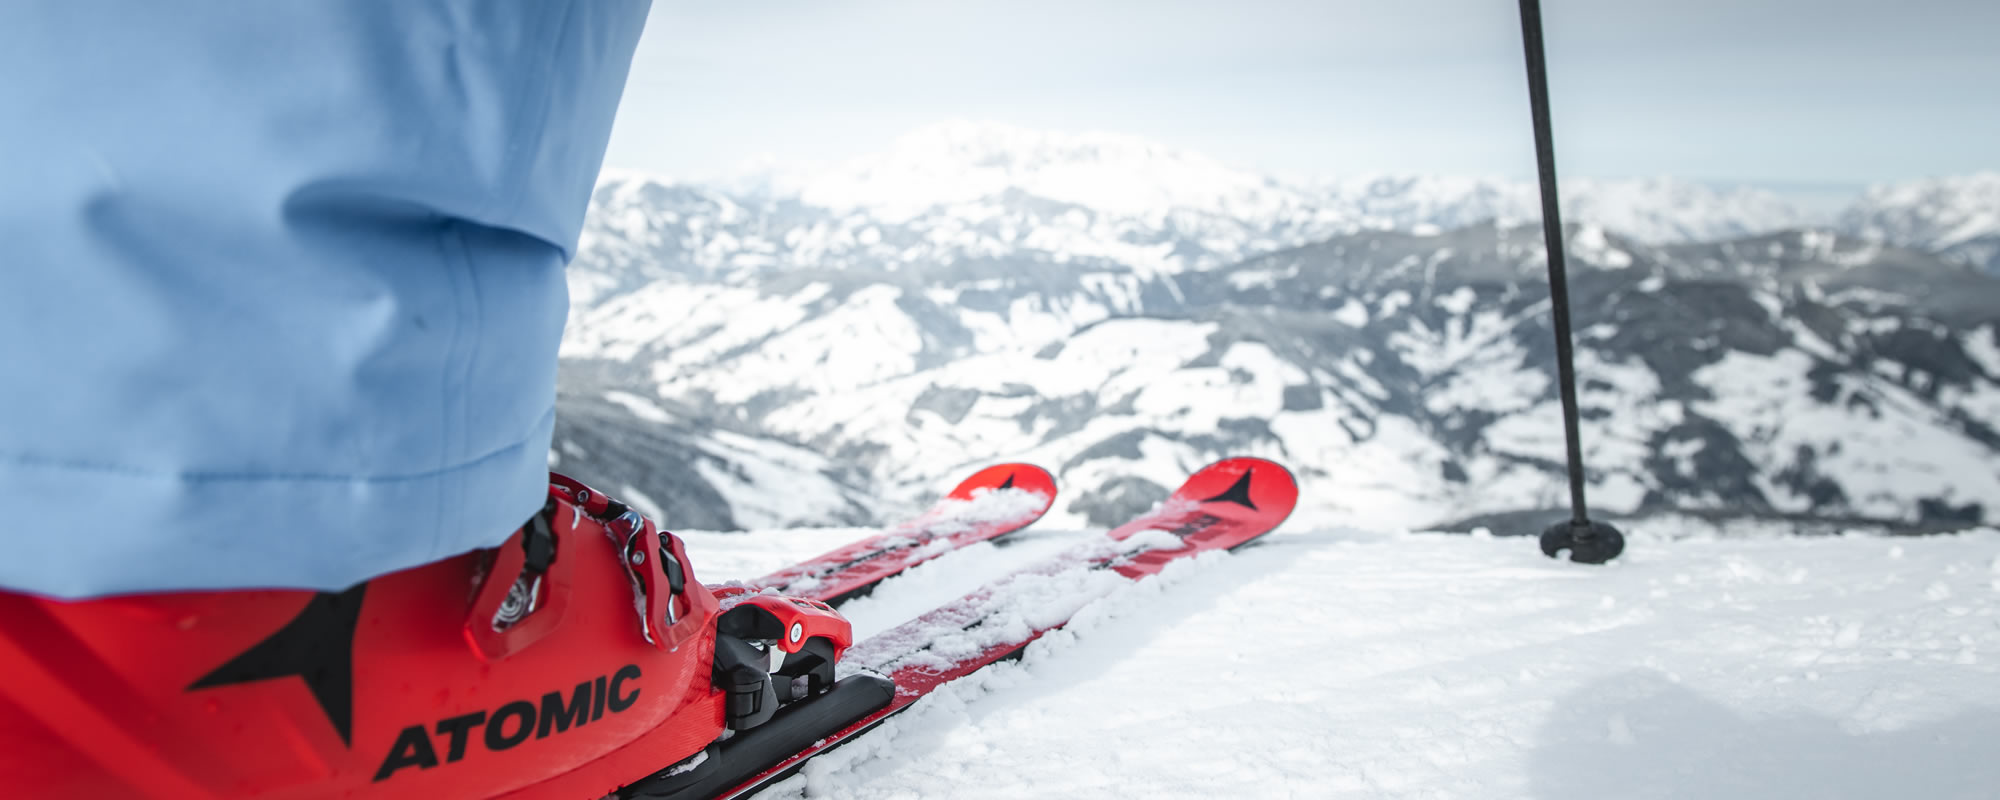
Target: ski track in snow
(1350,664)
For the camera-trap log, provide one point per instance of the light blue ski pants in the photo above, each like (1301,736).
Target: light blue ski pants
(281,283)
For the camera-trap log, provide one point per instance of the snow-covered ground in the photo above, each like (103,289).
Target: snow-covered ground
(1339,663)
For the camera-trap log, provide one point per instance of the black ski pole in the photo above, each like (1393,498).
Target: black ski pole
(1587,542)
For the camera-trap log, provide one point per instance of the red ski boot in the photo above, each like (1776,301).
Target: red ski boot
(577,658)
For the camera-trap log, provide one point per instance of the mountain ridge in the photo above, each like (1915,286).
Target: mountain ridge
(1405,369)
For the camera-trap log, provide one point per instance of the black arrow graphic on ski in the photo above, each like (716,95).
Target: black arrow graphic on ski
(1238,493)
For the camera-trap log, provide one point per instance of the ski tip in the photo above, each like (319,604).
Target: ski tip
(1243,486)
(1026,477)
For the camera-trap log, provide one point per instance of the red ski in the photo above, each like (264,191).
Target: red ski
(1223,506)
(995,501)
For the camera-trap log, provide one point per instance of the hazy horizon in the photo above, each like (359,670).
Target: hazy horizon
(1810,100)
(1821,197)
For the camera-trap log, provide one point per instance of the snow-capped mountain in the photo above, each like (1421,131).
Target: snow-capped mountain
(674,464)
(858,351)
(1956,216)
(955,163)
(1665,210)
(965,193)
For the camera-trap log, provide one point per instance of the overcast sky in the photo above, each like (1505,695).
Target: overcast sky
(1762,91)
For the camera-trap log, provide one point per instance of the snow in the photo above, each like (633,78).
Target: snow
(1930,213)
(986,505)
(639,406)
(1682,452)
(1254,279)
(818,349)
(1591,245)
(1983,345)
(1343,663)
(1433,352)
(1459,301)
(1393,302)
(771,484)
(962,161)
(968,191)
(646,505)
(1874,453)
(1494,375)
(1668,210)
(1351,313)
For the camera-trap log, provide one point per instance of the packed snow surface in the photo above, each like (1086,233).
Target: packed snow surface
(1338,663)
(952,516)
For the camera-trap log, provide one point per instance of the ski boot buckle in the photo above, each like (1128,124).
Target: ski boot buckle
(525,593)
